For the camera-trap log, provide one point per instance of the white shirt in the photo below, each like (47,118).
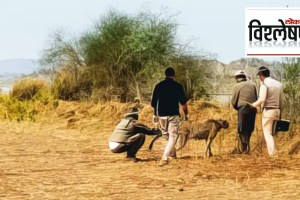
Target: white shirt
(269,93)
(113,145)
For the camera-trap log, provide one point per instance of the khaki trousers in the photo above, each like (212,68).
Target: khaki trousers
(268,117)
(170,125)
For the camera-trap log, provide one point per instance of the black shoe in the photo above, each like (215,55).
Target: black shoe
(133,159)
(247,150)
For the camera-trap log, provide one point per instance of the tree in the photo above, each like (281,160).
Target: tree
(63,57)
(291,89)
(121,54)
(190,72)
(128,46)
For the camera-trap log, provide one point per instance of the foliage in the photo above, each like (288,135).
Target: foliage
(67,88)
(128,45)
(28,98)
(124,55)
(27,89)
(190,72)
(12,108)
(292,88)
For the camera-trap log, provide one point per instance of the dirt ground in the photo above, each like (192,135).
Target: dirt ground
(66,156)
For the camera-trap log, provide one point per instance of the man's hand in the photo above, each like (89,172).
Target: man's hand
(155,119)
(258,109)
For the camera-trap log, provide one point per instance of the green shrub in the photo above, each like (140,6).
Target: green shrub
(12,108)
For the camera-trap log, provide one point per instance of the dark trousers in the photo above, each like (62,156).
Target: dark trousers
(246,122)
(131,147)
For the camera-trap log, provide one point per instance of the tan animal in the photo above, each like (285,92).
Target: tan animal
(200,130)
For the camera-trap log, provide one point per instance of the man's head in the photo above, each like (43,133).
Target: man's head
(263,72)
(133,113)
(170,72)
(240,76)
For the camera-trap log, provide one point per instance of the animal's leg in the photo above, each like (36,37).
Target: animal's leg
(210,153)
(208,150)
(173,154)
(180,141)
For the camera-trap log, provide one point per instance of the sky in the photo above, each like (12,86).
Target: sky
(213,26)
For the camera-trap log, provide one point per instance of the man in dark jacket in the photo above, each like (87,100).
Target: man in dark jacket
(129,136)
(244,93)
(166,97)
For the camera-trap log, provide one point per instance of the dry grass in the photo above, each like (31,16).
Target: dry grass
(26,89)
(64,155)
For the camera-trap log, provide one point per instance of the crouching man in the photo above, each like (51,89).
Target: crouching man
(129,136)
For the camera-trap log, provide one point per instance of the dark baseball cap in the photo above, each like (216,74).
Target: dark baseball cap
(261,69)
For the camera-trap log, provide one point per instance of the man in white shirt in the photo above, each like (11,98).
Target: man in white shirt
(269,99)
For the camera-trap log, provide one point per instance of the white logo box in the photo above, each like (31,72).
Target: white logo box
(278,33)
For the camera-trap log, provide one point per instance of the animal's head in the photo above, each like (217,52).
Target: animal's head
(183,134)
(223,123)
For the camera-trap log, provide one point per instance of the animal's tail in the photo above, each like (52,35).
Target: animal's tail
(155,121)
(152,142)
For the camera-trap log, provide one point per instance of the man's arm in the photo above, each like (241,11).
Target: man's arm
(183,102)
(262,96)
(255,92)
(141,128)
(185,110)
(154,100)
(234,99)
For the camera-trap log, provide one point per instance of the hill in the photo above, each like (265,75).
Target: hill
(221,76)
(18,66)
(220,79)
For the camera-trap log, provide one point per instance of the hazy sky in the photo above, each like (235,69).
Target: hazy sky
(217,26)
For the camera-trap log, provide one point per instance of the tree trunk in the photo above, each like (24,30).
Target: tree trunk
(137,87)
(138,92)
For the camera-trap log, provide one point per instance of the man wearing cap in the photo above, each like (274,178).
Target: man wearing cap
(129,136)
(244,93)
(269,99)
(166,97)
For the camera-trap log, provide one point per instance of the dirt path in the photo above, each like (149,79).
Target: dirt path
(51,161)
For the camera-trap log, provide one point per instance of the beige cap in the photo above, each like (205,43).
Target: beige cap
(240,73)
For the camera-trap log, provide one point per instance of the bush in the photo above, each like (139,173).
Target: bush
(67,86)
(11,108)
(27,89)
(28,98)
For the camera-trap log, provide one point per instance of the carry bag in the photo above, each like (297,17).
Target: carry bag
(280,125)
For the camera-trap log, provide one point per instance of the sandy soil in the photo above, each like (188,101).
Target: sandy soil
(59,158)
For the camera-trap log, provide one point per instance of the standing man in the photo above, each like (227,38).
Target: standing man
(244,93)
(270,100)
(166,97)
